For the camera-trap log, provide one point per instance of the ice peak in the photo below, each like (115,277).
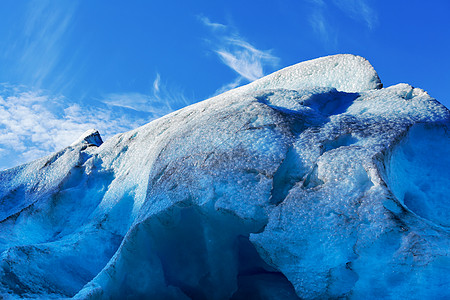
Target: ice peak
(344,72)
(91,136)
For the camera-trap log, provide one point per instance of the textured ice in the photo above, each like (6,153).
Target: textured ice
(345,72)
(295,186)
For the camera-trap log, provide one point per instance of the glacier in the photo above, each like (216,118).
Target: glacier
(314,182)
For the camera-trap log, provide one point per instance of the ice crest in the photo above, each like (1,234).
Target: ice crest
(344,72)
(90,137)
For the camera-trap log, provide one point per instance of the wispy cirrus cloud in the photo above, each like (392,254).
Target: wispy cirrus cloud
(157,83)
(34,52)
(244,58)
(321,27)
(229,86)
(358,10)
(238,54)
(159,102)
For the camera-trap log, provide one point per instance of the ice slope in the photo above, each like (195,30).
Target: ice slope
(312,182)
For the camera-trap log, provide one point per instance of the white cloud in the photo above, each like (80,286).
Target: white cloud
(238,54)
(34,124)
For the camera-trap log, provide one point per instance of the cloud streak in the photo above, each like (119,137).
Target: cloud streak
(159,102)
(238,54)
(207,22)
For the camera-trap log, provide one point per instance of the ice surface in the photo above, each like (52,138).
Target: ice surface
(309,183)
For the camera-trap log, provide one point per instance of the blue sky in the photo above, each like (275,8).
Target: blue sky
(67,66)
